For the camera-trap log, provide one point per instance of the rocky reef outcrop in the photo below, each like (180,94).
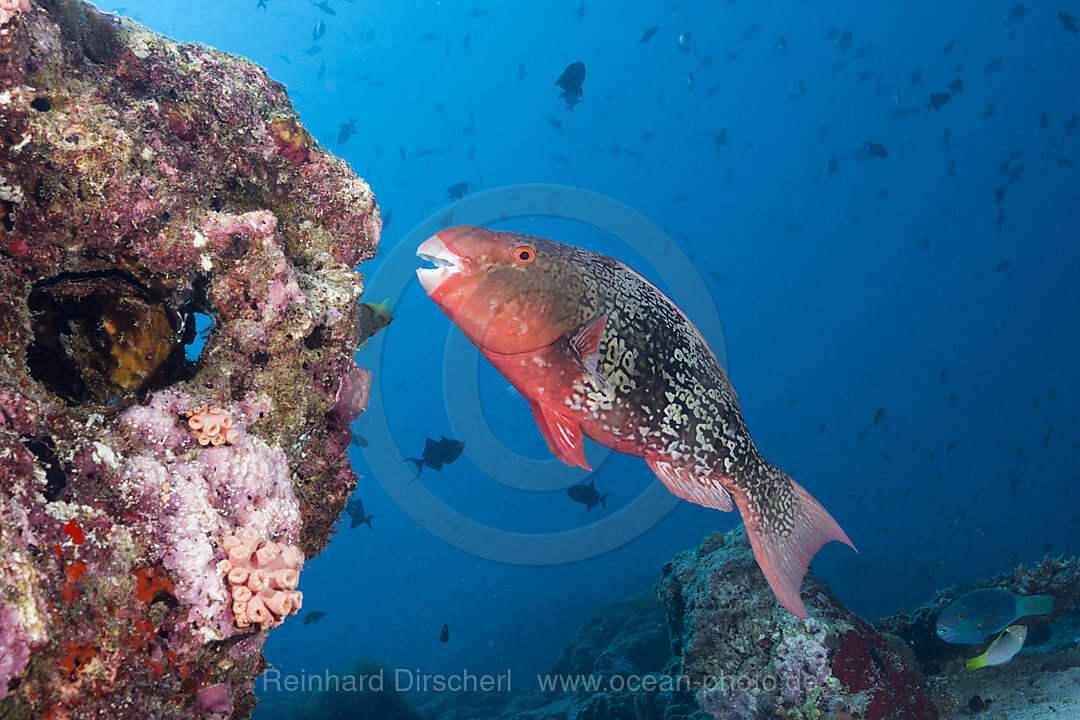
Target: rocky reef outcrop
(150,191)
(747,657)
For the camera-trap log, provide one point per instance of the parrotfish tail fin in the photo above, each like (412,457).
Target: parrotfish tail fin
(786,527)
(368,520)
(1034,605)
(418,465)
(603,500)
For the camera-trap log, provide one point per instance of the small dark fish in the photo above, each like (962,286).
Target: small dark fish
(444,636)
(429,37)
(721,139)
(346,131)
(1019,11)
(588,496)
(359,441)
(1015,173)
(457,190)
(313,50)
(999,194)
(647,35)
(915,78)
(1068,22)
(952,399)
(863,51)
(1070,126)
(318,31)
(355,510)
(937,100)
(993,65)
(1005,265)
(436,454)
(879,416)
(477,14)
(956,86)
(989,110)
(683,42)
(313,617)
(945,139)
(748,33)
(948,47)
(844,41)
(822,132)
(557,124)
(284,58)
(876,149)
(647,135)
(570,81)
(832,165)
(325,7)
(1065,162)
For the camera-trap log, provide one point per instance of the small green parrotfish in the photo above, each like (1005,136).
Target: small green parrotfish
(1002,650)
(599,352)
(984,612)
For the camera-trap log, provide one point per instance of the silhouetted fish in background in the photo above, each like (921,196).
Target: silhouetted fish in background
(956,86)
(313,617)
(588,496)
(647,35)
(457,190)
(346,131)
(355,510)
(937,100)
(324,6)
(1068,22)
(436,454)
(318,31)
(570,81)
(876,149)
(444,636)
(597,351)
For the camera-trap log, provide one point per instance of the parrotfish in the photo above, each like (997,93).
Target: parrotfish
(600,352)
(986,611)
(1002,650)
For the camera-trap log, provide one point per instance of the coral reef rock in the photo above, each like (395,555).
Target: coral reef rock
(147,186)
(746,657)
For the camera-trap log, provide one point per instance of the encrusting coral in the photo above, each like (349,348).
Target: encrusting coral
(143,183)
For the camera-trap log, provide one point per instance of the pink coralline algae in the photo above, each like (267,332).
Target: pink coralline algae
(212,426)
(144,183)
(263,576)
(8,9)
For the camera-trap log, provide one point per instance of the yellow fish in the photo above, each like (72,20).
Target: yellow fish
(1002,650)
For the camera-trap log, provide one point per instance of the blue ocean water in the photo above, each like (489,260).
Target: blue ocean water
(845,284)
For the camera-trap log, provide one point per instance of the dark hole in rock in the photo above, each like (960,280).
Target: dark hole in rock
(316,338)
(6,209)
(41,104)
(260,359)
(55,477)
(101,337)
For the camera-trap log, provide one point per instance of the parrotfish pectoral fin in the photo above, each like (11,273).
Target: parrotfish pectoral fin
(786,527)
(1034,605)
(586,346)
(562,435)
(701,490)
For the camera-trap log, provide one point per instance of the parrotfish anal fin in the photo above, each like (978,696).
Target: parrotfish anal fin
(1034,605)
(585,342)
(563,436)
(705,491)
(786,529)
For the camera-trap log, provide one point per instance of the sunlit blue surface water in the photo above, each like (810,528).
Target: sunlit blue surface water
(837,298)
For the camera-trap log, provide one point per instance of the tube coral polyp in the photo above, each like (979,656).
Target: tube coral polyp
(212,426)
(263,576)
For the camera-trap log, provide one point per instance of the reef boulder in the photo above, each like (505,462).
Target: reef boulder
(749,658)
(153,194)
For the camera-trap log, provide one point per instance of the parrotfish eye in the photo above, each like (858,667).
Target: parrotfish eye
(962,616)
(524,254)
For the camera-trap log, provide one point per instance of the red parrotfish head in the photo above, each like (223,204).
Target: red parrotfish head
(508,292)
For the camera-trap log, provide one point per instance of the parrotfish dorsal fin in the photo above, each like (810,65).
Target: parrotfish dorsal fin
(563,436)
